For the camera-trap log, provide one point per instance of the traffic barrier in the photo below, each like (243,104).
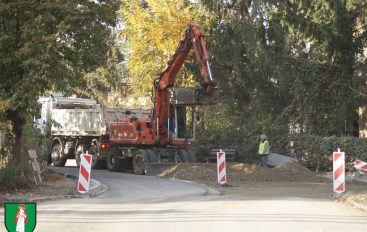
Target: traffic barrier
(360,165)
(339,172)
(221,167)
(84,173)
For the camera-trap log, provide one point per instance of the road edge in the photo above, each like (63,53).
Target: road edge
(96,189)
(208,190)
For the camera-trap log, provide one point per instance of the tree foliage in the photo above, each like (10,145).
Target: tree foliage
(48,45)
(152,30)
(297,61)
(333,37)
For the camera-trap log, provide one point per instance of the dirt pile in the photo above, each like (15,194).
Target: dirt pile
(236,172)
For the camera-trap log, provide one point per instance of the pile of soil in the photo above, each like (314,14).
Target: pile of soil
(238,172)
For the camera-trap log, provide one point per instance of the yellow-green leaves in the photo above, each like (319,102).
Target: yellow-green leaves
(153,29)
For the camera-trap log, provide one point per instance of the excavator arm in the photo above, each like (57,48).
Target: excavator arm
(194,38)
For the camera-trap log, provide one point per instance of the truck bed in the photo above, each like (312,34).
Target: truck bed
(78,122)
(88,122)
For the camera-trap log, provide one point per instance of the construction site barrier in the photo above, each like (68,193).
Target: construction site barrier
(84,173)
(339,172)
(221,167)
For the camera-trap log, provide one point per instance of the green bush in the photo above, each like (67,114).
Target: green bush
(315,152)
(14,174)
(11,177)
(35,140)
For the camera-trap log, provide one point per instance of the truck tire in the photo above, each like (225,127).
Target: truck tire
(77,160)
(114,162)
(94,151)
(97,163)
(56,155)
(79,150)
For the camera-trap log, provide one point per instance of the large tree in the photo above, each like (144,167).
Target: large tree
(334,35)
(152,31)
(48,45)
(248,46)
(299,59)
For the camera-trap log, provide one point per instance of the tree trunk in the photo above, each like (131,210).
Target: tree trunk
(344,58)
(16,131)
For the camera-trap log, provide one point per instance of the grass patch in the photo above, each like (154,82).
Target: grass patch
(51,176)
(11,177)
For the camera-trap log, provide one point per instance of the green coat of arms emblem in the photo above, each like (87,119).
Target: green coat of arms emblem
(20,217)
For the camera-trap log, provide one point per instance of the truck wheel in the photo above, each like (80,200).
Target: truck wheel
(77,160)
(96,162)
(79,150)
(114,162)
(56,156)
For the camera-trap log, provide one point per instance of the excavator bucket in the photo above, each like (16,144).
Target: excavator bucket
(193,96)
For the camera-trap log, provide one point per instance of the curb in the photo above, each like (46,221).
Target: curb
(208,190)
(96,188)
(344,197)
(348,199)
(357,205)
(348,177)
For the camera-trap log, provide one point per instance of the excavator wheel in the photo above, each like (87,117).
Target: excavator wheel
(184,156)
(139,162)
(114,162)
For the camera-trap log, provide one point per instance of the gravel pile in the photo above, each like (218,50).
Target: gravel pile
(236,172)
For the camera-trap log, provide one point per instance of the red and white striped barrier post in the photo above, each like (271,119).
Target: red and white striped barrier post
(84,173)
(360,165)
(339,171)
(221,167)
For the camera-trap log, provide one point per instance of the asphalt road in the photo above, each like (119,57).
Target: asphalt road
(127,187)
(141,203)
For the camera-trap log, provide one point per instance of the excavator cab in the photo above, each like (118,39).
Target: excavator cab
(182,111)
(182,122)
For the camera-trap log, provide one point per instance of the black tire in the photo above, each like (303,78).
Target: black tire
(184,156)
(49,160)
(77,159)
(97,163)
(139,165)
(79,150)
(56,155)
(152,157)
(114,162)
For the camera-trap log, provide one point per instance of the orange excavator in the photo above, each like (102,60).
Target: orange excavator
(163,134)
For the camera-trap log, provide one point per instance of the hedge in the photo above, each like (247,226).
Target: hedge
(315,152)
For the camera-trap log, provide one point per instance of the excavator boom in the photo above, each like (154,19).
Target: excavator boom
(194,39)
